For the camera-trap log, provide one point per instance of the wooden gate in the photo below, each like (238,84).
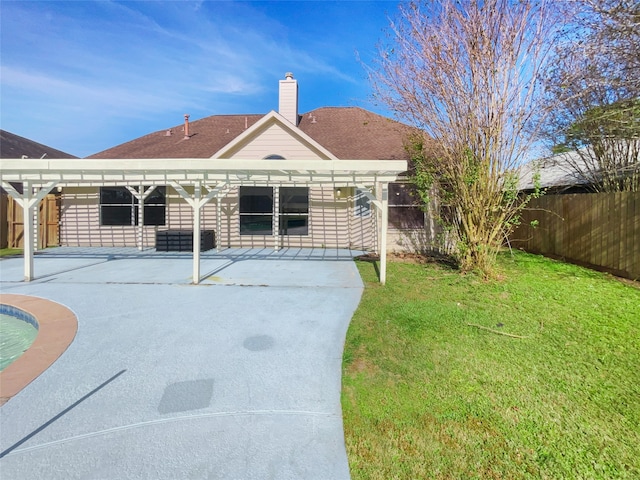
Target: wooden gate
(48,230)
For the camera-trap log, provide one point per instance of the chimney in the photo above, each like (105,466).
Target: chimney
(288,102)
(186,126)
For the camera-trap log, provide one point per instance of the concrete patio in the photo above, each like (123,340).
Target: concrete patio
(238,377)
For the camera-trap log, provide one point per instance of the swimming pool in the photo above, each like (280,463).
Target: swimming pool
(56,327)
(18,330)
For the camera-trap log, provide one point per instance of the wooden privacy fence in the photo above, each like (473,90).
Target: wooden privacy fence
(601,230)
(48,229)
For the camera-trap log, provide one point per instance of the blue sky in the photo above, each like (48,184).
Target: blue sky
(83,76)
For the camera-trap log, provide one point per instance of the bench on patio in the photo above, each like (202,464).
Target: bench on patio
(182,240)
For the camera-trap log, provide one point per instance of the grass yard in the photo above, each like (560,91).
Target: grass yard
(425,395)
(4,252)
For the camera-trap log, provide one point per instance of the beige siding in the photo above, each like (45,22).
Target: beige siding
(332,222)
(276,140)
(80,224)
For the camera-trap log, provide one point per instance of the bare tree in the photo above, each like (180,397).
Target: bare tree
(466,72)
(595,87)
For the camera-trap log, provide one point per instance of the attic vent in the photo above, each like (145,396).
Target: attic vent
(313,119)
(274,156)
(168,133)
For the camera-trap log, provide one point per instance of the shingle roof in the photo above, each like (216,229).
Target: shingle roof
(355,133)
(557,171)
(348,132)
(15,146)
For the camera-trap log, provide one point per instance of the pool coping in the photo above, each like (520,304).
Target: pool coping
(57,327)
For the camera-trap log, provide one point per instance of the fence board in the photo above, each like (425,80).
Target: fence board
(598,229)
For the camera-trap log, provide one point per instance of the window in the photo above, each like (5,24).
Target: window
(294,211)
(362,204)
(256,211)
(119,207)
(274,156)
(405,210)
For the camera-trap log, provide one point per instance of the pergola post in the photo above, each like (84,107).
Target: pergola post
(29,202)
(384,208)
(276,218)
(36,228)
(381,202)
(218,221)
(196,232)
(197,201)
(28,215)
(141,195)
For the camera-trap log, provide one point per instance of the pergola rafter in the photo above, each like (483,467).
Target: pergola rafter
(209,178)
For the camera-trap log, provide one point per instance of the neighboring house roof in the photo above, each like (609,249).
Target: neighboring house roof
(347,132)
(573,171)
(15,146)
(553,172)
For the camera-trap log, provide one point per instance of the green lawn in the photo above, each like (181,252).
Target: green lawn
(425,395)
(10,251)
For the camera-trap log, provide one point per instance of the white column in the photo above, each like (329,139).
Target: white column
(36,227)
(28,213)
(197,201)
(141,198)
(141,195)
(196,232)
(383,232)
(218,220)
(276,218)
(29,201)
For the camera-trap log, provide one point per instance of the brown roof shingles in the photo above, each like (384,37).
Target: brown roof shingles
(206,137)
(348,132)
(356,134)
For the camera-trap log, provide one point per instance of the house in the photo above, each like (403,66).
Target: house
(252,214)
(334,177)
(15,146)
(576,172)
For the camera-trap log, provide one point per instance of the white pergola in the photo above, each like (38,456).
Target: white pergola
(209,179)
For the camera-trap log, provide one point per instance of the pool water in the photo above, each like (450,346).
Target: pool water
(16,336)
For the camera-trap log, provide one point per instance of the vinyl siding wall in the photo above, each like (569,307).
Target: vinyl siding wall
(80,223)
(275,140)
(332,222)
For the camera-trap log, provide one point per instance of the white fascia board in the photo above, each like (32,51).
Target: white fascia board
(270,117)
(77,172)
